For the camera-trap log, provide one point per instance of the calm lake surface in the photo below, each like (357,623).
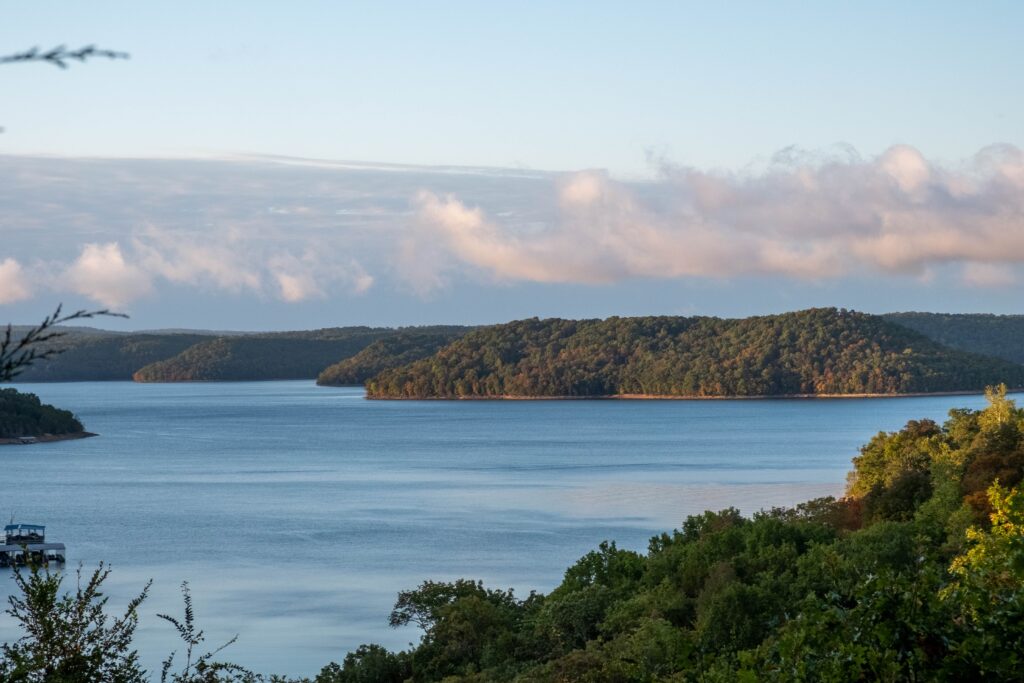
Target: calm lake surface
(298,512)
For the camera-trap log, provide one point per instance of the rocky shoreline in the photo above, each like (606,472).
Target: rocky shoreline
(660,397)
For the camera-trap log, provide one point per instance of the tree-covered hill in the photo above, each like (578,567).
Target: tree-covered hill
(682,356)
(107,357)
(285,355)
(812,352)
(389,352)
(1001,336)
(24,415)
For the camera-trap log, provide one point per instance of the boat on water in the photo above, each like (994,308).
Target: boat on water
(27,542)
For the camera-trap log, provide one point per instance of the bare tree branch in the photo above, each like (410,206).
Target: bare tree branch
(61,55)
(17,355)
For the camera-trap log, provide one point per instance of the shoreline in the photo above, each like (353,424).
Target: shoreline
(45,438)
(661,397)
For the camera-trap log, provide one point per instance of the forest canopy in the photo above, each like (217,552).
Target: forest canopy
(812,352)
(285,355)
(389,352)
(791,353)
(24,414)
(99,357)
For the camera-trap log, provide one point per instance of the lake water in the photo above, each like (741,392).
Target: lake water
(298,512)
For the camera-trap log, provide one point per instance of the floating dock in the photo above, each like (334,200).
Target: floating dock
(27,542)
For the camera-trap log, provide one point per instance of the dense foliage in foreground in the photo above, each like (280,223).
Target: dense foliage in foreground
(916,575)
(389,352)
(25,415)
(818,351)
(1001,336)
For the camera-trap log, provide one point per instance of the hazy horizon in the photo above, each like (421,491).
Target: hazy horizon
(119,325)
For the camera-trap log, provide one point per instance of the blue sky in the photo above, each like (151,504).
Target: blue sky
(661,98)
(557,86)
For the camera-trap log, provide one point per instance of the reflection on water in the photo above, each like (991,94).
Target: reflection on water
(298,512)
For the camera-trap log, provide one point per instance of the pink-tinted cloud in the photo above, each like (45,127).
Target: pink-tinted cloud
(14,284)
(297,233)
(102,274)
(801,217)
(207,260)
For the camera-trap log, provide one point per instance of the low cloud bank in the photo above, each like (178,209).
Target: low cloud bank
(296,233)
(103,274)
(115,277)
(803,216)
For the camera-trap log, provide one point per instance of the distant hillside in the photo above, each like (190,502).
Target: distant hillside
(609,355)
(1001,336)
(24,415)
(97,357)
(285,355)
(70,330)
(813,352)
(389,352)
(174,356)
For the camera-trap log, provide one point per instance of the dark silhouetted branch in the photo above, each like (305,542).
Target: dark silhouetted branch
(17,355)
(61,55)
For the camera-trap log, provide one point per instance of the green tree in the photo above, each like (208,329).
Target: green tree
(988,591)
(368,664)
(69,638)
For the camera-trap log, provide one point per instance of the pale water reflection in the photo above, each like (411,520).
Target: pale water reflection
(298,512)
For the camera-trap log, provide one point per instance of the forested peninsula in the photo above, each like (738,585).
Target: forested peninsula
(1001,336)
(817,352)
(100,357)
(389,352)
(24,415)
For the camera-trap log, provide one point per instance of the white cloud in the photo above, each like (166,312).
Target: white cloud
(906,166)
(362,281)
(311,275)
(480,242)
(14,284)
(183,258)
(295,287)
(583,188)
(295,277)
(101,273)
